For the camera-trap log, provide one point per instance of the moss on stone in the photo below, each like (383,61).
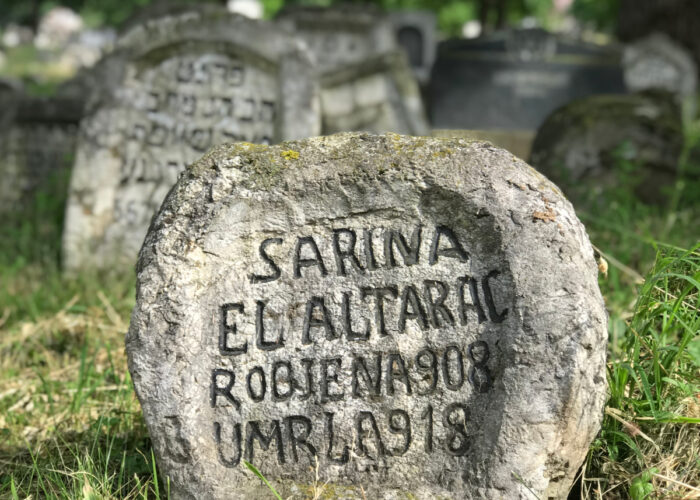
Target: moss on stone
(290,154)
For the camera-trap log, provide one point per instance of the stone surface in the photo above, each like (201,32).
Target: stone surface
(376,95)
(174,87)
(657,62)
(381,317)
(583,145)
(515,79)
(340,35)
(416,34)
(518,142)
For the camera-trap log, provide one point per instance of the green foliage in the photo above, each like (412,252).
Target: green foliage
(642,486)
(597,14)
(255,471)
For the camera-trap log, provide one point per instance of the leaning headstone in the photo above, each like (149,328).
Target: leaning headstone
(376,95)
(585,145)
(368,317)
(340,35)
(657,62)
(515,79)
(416,34)
(179,85)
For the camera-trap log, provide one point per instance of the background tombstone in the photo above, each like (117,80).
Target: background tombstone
(656,62)
(584,146)
(367,85)
(416,34)
(179,85)
(376,95)
(340,35)
(514,80)
(37,149)
(387,316)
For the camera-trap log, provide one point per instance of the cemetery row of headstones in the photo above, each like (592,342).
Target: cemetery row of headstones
(174,86)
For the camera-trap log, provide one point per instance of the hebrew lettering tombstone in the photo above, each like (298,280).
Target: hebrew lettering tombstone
(378,316)
(185,84)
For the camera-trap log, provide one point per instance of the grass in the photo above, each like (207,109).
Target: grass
(70,425)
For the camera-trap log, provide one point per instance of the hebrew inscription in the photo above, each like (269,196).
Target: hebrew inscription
(185,85)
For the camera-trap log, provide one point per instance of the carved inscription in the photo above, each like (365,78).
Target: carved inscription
(325,350)
(179,109)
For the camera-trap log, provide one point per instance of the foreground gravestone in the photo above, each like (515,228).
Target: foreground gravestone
(515,79)
(371,316)
(177,86)
(586,145)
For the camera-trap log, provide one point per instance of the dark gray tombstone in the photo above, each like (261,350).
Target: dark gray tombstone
(513,80)
(415,32)
(37,147)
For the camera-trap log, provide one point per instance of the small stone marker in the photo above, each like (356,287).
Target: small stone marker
(381,316)
(581,145)
(183,85)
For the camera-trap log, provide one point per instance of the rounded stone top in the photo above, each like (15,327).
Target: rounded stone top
(386,315)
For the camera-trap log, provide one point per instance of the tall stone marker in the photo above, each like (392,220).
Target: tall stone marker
(340,35)
(186,83)
(416,34)
(376,316)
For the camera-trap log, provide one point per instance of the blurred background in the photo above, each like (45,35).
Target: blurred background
(598,95)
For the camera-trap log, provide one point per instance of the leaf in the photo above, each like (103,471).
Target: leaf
(694,351)
(255,471)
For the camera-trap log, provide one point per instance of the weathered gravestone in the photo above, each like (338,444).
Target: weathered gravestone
(416,34)
(366,83)
(585,145)
(36,149)
(183,84)
(376,95)
(515,79)
(657,62)
(340,35)
(391,315)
